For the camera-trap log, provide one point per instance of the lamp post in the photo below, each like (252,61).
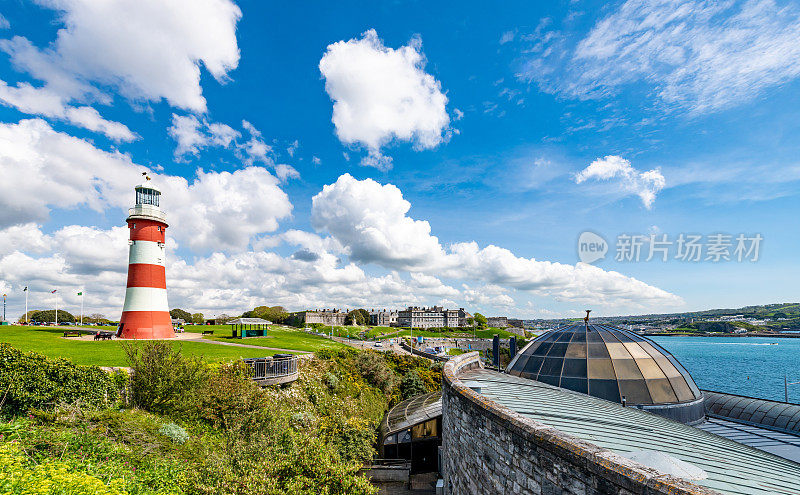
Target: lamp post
(81,294)
(4,307)
(55,291)
(786,384)
(25,290)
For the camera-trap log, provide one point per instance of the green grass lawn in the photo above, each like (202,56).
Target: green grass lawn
(280,337)
(49,341)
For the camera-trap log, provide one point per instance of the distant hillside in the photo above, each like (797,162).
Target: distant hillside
(778,316)
(770,311)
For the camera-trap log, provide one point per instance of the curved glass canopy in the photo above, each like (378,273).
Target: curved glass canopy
(606,362)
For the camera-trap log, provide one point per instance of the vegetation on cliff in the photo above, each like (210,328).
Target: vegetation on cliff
(183,426)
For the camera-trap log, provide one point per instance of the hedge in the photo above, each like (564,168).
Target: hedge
(31,380)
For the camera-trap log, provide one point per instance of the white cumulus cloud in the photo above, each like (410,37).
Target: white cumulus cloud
(186,132)
(44,170)
(41,101)
(370,219)
(151,49)
(371,222)
(625,178)
(382,94)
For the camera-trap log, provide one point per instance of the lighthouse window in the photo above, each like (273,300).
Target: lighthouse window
(134,225)
(159,228)
(145,196)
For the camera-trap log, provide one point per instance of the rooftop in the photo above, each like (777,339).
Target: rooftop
(413,411)
(732,468)
(249,321)
(606,362)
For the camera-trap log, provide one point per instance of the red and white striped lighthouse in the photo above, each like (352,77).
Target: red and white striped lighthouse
(146,312)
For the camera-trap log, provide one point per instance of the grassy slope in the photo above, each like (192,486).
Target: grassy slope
(48,341)
(280,337)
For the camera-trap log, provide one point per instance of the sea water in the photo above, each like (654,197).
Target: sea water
(751,366)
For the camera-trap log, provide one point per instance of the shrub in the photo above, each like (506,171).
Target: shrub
(232,401)
(412,385)
(109,444)
(374,369)
(296,462)
(31,380)
(163,381)
(48,477)
(331,380)
(174,433)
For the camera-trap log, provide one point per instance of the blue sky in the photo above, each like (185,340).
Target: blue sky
(464,151)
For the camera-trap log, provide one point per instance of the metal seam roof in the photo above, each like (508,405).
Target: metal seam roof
(733,468)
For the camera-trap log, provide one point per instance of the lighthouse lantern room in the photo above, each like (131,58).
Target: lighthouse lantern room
(145,314)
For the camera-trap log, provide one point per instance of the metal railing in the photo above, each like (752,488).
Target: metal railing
(147,211)
(272,367)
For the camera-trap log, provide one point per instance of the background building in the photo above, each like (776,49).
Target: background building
(332,317)
(384,318)
(497,321)
(433,317)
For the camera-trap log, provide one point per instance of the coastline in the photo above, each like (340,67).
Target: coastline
(699,334)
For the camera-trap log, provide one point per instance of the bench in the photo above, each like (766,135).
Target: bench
(208,332)
(72,333)
(103,336)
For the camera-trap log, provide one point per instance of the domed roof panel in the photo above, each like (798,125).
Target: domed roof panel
(606,362)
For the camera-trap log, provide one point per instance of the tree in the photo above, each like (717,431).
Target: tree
(356,317)
(25,318)
(223,318)
(179,314)
(412,385)
(365,314)
(95,318)
(275,314)
(480,320)
(50,315)
(198,318)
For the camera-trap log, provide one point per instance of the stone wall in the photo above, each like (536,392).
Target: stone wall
(488,448)
(420,353)
(331,318)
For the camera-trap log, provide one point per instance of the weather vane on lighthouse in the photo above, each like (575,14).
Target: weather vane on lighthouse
(145,314)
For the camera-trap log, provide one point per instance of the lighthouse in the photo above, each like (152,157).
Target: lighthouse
(145,314)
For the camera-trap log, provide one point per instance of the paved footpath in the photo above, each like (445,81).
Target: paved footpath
(368,344)
(190,337)
(236,344)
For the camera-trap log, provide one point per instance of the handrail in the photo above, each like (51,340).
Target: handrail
(147,211)
(269,367)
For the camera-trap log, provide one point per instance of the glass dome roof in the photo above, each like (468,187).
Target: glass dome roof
(606,362)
